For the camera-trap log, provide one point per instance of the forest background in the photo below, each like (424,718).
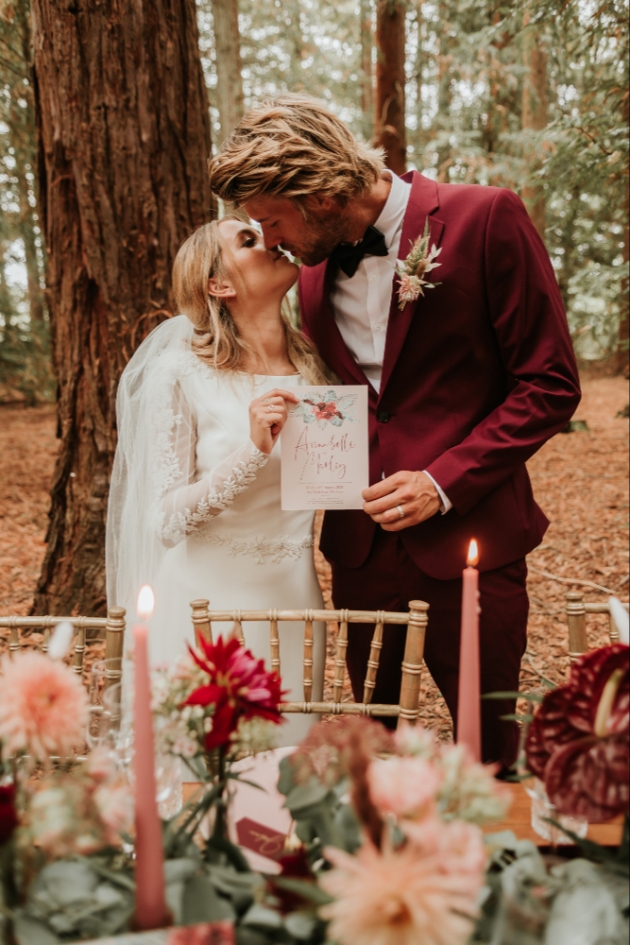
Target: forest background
(108,112)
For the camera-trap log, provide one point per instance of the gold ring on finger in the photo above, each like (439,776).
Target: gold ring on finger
(400,510)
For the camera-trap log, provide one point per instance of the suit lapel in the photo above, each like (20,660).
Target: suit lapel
(323,327)
(423,200)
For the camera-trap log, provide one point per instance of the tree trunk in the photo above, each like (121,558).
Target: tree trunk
(31,258)
(418,73)
(124,137)
(534,119)
(367,76)
(444,94)
(624,321)
(297,50)
(390,83)
(21,130)
(227,43)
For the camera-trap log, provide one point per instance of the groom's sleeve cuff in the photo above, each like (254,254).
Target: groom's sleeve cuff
(446,503)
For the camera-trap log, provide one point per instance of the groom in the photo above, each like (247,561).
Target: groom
(466,380)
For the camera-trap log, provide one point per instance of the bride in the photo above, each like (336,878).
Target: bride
(194,506)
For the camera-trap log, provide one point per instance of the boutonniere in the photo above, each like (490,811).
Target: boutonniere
(413,270)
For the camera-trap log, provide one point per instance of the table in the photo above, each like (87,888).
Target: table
(519,820)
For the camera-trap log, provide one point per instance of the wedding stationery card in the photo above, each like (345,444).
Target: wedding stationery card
(324,449)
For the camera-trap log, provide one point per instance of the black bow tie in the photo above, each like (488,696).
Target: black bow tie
(348,256)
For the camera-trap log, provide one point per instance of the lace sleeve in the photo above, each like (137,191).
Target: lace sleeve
(185,504)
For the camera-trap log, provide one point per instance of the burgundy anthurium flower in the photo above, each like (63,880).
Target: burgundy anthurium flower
(8,813)
(294,865)
(239,687)
(578,741)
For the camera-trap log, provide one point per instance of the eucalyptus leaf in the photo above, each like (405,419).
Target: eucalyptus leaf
(261,917)
(302,797)
(286,781)
(201,903)
(67,881)
(29,931)
(300,926)
(246,935)
(309,891)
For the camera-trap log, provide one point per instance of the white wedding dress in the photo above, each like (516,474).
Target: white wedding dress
(214,512)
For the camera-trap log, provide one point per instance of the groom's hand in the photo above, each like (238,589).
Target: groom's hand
(413,493)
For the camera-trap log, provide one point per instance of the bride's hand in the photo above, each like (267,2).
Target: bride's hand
(267,415)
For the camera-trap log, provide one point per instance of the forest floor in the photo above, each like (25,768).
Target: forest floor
(580,480)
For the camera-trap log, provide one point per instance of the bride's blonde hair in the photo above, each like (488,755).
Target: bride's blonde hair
(217,339)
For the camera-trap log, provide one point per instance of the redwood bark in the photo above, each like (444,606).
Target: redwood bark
(623,337)
(124,136)
(390,83)
(534,119)
(227,42)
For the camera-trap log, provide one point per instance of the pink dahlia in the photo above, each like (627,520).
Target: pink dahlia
(404,787)
(239,688)
(578,741)
(399,897)
(456,846)
(43,707)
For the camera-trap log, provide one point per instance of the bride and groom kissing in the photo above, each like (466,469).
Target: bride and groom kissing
(468,374)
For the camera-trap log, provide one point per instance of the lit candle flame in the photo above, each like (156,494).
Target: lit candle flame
(473,554)
(146,601)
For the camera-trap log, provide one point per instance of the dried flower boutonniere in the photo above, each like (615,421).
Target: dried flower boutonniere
(415,267)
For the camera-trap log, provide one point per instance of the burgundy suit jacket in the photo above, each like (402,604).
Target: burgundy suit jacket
(478,373)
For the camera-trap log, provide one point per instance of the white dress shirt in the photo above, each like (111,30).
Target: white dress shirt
(361,303)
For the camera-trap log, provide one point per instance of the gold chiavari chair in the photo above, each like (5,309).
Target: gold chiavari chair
(576,610)
(415,621)
(110,628)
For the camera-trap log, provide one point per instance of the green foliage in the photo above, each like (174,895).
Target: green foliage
(467,70)
(466,73)
(25,372)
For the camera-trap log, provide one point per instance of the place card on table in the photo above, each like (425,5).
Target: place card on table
(324,449)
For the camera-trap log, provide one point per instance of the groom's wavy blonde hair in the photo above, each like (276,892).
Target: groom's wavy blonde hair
(292,147)
(217,340)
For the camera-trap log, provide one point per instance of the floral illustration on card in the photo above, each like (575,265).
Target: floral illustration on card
(329,408)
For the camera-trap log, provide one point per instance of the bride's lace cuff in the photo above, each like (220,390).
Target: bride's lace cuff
(185,510)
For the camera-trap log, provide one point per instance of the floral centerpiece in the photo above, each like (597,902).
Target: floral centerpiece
(387,846)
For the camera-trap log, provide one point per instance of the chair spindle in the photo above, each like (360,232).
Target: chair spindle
(201,621)
(114,644)
(340,656)
(613,632)
(274,642)
(374,660)
(14,640)
(237,629)
(412,662)
(308,656)
(576,619)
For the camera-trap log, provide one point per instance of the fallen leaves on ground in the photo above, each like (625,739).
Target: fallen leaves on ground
(580,480)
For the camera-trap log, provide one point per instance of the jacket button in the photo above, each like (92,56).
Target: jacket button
(383,416)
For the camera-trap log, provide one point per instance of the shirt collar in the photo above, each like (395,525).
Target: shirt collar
(392,214)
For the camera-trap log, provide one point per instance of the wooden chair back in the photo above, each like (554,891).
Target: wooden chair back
(415,621)
(110,628)
(576,610)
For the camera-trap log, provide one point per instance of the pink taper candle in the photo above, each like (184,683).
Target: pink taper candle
(469,704)
(151,911)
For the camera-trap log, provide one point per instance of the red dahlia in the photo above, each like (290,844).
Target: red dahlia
(578,741)
(239,687)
